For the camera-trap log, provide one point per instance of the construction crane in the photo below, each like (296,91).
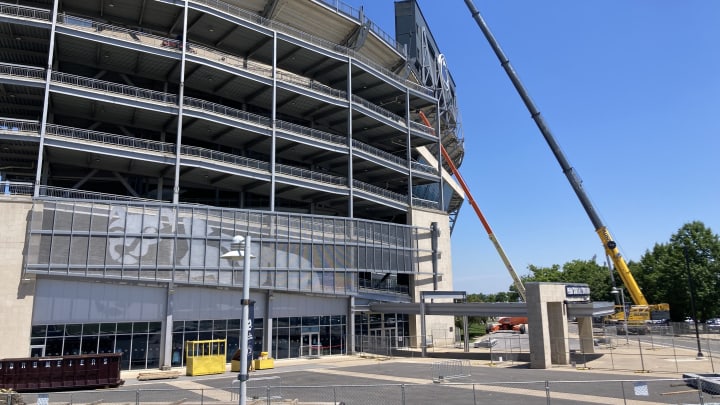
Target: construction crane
(516,280)
(643,311)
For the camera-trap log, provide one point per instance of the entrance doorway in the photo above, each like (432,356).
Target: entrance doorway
(310,344)
(390,335)
(383,338)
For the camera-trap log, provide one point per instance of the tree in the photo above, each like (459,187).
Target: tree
(689,258)
(588,272)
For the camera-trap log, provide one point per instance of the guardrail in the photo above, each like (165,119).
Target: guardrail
(210,107)
(193,151)
(380,191)
(15,125)
(110,139)
(329,45)
(115,88)
(350,11)
(15,188)
(27,72)
(25,12)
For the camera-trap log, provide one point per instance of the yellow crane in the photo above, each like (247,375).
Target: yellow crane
(641,312)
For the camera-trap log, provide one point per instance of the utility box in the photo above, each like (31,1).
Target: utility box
(203,357)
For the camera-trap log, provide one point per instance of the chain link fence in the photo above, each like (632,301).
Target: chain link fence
(673,348)
(655,391)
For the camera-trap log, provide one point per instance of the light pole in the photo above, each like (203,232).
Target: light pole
(240,248)
(615,292)
(691,285)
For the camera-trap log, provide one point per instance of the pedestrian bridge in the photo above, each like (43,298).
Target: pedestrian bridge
(548,308)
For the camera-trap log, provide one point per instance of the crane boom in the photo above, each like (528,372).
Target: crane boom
(608,243)
(516,280)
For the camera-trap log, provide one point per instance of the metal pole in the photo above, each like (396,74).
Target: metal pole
(692,300)
(615,291)
(423,343)
(466,335)
(625,315)
(243,376)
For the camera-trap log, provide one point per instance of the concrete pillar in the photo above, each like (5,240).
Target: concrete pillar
(585,331)
(558,328)
(547,324)
(166,340)
(268,325)
(350,332)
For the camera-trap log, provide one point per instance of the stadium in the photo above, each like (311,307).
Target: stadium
(137,138)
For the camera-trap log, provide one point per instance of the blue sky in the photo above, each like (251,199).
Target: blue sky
(631,92)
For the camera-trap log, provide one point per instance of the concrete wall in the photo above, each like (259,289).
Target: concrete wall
(16,295)
(437,326)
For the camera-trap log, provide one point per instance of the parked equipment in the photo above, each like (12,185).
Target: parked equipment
(517,324)
(640,313)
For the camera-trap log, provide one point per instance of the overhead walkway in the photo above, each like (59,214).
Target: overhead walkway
(547,308)
(489,309)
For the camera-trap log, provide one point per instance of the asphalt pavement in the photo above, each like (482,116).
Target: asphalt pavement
(613,376)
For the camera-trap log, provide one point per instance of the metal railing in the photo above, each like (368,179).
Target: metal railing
(25,72)
(115,88)
(380,191)
(198,50)
(215,108)
(15,188)
(311,132)
(373,285)
(210,107)
(229,60)
(421,167)
(191,151)
(350,11)
(446,370)
(419,202)
(110,139)
(15,125)
(25,12)
(329,45)
(60,192)
(422,128)
(379,110)
(114,31)
(222,157)
(379,153)
(44,15)
(311,175)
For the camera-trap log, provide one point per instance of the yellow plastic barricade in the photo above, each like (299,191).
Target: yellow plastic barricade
(204,357)
(264,362)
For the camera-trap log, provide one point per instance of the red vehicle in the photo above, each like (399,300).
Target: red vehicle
(516,324)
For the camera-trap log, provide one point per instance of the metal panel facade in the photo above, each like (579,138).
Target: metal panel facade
(63,301)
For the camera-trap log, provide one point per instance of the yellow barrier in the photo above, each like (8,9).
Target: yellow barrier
(205,356)
(264,362)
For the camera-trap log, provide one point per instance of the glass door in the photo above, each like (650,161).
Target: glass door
(310,344)
(390,337)
(376,341)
